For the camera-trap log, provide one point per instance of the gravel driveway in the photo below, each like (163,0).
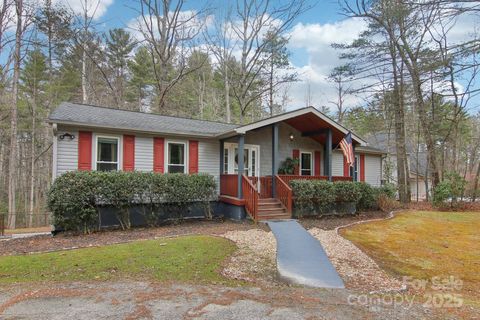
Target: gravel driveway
(140,300)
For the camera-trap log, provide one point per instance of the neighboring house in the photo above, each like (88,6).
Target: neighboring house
(98,138)
(417,163)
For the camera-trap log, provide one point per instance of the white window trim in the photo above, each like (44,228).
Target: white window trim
(312,162)
(167,154)
(231,156)
(357,164)
(119,149)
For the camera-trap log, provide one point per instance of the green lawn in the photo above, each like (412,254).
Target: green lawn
(185,259)
(425,244)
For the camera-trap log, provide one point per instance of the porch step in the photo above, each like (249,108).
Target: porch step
(271,208)
(268,201)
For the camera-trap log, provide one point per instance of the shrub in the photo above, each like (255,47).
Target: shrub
(389,190)
(313,195)
(75,197)
(72,200)
(451,188)
(346,191)
(368,196)
(386,203)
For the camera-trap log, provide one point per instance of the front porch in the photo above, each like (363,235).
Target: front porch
(260,199)
(251,156)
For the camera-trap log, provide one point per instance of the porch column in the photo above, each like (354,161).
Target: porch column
(241,145)
(328,155)
(274,158)
(222,157)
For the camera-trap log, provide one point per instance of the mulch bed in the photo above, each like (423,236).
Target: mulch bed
(332,222)
(67,241)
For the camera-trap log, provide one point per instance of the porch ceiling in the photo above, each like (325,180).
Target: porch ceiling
(311,125)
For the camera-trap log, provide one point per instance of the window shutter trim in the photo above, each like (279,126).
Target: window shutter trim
(84,150)
(159,154)
(128,153)
(192,156)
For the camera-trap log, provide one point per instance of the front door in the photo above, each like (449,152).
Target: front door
(251,159)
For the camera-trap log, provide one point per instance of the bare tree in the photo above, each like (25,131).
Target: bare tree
(12,164)
(221,43)
(252,21)
(341,76)
(170,32)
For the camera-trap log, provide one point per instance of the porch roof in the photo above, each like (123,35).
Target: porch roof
(309,121)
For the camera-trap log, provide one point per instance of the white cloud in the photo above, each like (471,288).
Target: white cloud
(95,8)
(316,40)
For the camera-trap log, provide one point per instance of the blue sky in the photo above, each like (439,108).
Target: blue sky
(310,42)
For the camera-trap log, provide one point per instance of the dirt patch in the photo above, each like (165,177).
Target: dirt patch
(332,222)
(61,241)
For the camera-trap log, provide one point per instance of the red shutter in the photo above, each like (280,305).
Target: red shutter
(193,156)
(362,167)
(346,168)
(317,163)
(296,155)
(158,154)
(128,153)
(84,150)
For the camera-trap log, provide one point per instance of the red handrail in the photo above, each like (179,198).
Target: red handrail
(284,193)
(251,196)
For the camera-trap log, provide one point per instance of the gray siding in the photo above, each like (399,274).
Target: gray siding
(263,138)
(209,158)
(373,169)
(67,153)
(143,153)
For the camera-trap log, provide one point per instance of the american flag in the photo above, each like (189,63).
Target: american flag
(347,148)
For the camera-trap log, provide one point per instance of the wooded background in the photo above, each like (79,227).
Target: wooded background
(412,79)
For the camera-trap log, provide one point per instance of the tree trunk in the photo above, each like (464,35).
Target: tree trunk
(12,213)
(475,186)
(84,53)
(403,172)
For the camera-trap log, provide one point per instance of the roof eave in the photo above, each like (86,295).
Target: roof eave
(87,125)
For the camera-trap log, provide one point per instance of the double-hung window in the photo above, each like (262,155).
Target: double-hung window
(306,164)
(107,153)
(176,159)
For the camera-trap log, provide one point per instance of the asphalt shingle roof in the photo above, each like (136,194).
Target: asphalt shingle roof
(137,121)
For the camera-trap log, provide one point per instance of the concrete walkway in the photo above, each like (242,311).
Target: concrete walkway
(301,258)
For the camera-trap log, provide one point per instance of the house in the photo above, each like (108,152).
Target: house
(417,163)
(242,158)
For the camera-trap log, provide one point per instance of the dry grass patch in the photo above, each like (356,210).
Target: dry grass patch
(425,244)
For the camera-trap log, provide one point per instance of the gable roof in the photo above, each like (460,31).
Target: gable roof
(296,114)
(95,116)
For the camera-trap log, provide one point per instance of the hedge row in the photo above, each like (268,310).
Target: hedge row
(311,195)
(75,197)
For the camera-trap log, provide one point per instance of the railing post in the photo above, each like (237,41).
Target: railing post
(241,146)
(274,158)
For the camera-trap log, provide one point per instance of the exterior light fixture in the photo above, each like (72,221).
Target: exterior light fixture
(66,135)
(291,136)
